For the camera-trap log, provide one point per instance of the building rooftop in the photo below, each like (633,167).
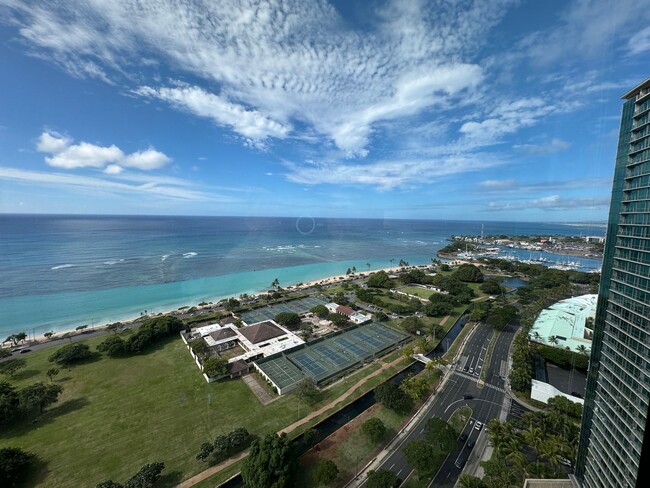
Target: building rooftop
(566,320)
(344,310)
(634,91)
(223,333)
(261,332)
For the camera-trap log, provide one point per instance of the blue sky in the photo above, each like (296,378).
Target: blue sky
(477,110)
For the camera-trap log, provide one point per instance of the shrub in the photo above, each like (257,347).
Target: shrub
(70,354)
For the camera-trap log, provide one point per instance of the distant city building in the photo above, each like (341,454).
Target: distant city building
(614,449)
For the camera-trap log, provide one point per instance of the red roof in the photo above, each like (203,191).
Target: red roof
(344,310)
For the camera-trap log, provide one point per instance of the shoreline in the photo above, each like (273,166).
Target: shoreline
(128,321)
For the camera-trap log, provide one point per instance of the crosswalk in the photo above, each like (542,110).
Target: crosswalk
(474,377)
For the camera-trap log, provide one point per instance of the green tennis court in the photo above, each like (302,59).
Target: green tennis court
(327,359)
(300,305)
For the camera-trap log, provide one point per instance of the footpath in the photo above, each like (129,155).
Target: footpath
(218,467)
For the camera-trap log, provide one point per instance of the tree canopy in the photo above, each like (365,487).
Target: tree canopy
(391,396)
(374,429)
(290,320)
(379,279)
(468,273)
(14,463)
(381,479)
(326,471)
(71,354)
(271,463)
(321,311)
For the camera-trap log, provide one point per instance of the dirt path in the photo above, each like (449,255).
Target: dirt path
(215,469)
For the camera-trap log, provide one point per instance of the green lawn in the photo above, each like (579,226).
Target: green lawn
(459,418)
(355,450)
(417,291)
(117,414)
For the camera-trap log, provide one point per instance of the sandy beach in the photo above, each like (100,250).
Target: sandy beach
(327,281)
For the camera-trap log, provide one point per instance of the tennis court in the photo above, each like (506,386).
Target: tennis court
(329,358)
(282,372)
(300,305)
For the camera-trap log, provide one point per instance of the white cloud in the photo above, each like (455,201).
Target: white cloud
(498,184)
(164,188)
(589,29)
(85,155)
(276,69)
(555,145)
(145,160)
(248,123)
(66,155)
(551,203)
(640,42)
(52,142)
(388,175)
(113,169)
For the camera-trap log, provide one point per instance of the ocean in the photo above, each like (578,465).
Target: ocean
(58,272)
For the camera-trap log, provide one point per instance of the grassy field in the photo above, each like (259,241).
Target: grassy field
(349,448)
(459,418)
(417,291)
(117,414)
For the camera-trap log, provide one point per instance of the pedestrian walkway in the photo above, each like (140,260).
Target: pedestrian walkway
(473,377)
(353,389)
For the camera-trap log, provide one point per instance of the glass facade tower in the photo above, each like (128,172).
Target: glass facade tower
(614,448)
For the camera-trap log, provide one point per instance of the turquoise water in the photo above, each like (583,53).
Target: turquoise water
(65,311)
(59,272)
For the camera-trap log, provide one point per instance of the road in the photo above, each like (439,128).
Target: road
(486,403)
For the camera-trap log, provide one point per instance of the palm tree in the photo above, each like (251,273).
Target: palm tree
(553,340)
(20,337)
(536,336)
(583,350)
(533,436)
(354,269)
(276,284)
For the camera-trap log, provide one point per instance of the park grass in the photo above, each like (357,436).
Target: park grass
(354,449)
(417,291)
(117,414)
(459,418)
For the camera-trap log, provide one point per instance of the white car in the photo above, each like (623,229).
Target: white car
(478,425)
(471,370)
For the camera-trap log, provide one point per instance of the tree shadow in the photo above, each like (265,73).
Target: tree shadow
(24,424)
(25,374)
(35,474)
(173,478)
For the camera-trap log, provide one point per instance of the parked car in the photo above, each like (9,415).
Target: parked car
(470,444)
(463,437)
(478,425)
(23,351)
(467,397)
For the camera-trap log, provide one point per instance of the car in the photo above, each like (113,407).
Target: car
(470,444)
(478,425)
(471,370)
(467,397)
(17,349)
(466,369)
(23,351)
(459,463)
(463,437)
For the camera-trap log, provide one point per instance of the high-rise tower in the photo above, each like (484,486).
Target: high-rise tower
(615,436)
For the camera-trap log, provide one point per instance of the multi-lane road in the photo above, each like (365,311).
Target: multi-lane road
(464,380)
